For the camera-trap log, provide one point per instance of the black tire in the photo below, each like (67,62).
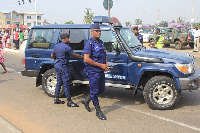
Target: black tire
(151,41)
(178,45)
(161,93)
(49,81)
(191,45)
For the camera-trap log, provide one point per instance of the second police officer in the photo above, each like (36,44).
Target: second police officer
(139,36)
(96,63)
(61,53)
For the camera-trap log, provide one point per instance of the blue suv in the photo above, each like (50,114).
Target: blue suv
(160,74)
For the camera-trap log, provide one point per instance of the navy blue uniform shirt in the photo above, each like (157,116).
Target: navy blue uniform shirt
(97,53)
(62,52)
(140,38)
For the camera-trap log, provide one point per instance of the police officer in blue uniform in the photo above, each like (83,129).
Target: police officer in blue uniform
(96,63)
(61,53)
(139,36)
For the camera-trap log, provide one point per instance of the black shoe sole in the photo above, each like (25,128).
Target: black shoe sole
(62,102)
(72,105)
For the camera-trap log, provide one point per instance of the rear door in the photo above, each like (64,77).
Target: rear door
(78,37)
(39,47)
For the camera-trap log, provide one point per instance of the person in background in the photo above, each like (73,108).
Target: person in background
(158,43)
(61,53)
(16,38)
(8,44)
(21,37)
(139,36)
(196,34)
(26,34)
(5,38)
(2,59)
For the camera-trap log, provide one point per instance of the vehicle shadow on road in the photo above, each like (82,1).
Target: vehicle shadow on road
(119,98)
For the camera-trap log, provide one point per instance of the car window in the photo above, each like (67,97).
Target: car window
(41,38)
(110,42)
(77,38)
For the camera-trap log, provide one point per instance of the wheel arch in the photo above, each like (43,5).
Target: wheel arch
(146,74)
(43,68)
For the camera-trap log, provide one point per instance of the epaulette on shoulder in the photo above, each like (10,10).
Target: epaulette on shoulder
(91,41)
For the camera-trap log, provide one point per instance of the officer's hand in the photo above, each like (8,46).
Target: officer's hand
(104,67)
(149,44)
(107,69)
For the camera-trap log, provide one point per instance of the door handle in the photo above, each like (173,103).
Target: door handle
(36,55)
(117,61)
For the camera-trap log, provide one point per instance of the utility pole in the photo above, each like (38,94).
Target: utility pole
(158,18)
(11,23)
(109,8)
(192,20)
(35,13)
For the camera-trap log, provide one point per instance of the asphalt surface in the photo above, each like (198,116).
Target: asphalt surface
(29,109)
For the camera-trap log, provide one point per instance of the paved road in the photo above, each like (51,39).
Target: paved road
(29,109)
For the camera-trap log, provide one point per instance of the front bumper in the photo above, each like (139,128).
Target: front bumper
(29,73)
(192,82)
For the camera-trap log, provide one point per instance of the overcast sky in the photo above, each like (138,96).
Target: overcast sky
(61,11)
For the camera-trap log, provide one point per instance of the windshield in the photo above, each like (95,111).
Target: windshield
(130,38)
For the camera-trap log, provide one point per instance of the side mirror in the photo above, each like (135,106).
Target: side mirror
(116,48)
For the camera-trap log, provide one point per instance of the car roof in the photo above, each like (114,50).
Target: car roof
(70,26)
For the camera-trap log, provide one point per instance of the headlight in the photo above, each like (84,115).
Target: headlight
(185,68)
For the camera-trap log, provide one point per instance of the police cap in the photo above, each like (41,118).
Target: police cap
(95,26)
(64,35)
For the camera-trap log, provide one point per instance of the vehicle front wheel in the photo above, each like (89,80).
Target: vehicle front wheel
(49,81)
(161,93)
(178,45)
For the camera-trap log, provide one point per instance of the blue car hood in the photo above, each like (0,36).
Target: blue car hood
(168,56)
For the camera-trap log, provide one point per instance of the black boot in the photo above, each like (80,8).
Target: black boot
(70,103)
(58,101)
(86,102)
(99,114)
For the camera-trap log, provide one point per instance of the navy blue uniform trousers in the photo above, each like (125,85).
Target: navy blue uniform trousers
(63,77)
(97,86)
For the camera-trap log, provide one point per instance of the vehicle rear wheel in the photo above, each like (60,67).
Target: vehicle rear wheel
(191,45)
(178,45)
(49,81)
(161,93)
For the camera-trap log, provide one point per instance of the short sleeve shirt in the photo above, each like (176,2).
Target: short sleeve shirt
(62,53)
(21,36)
(97,53)
(140,38)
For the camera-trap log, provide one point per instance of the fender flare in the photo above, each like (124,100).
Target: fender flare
(161,69)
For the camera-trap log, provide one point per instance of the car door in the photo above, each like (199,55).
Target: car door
(117,62)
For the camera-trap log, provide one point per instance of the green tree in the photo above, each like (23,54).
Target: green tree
(198,25)
(69,22)
(180,20)
(138,21)
(173,21)
(128,23)
(163,24)
(88,16)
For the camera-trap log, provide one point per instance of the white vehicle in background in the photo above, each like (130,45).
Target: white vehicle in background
(146,34)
